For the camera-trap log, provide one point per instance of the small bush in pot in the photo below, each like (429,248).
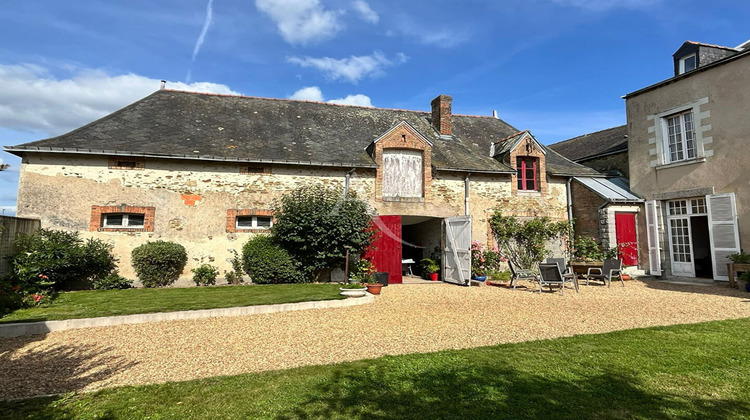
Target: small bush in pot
(205,275)
(159,263)
(739,258)
(266,262)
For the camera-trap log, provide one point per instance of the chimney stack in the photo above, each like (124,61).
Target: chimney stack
(163,85)
(441,114)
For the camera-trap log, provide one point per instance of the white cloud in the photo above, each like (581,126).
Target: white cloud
(34,100)
(313,93)
(302,21)
(604,5)
(351,69)
(365,11)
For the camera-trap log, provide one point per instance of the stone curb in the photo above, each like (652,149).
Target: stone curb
(43,327)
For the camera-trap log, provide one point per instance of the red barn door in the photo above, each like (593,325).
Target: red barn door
(385,252)
(627,243)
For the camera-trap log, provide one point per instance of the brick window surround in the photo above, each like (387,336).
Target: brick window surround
(232,219)
(527,174)
(98,212)
(403,137)
(528,149)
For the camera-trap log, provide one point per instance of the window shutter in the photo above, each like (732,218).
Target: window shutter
(402,173)
(723,231)
(652,232)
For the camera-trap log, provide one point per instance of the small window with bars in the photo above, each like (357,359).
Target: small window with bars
(123,220)
(253,222)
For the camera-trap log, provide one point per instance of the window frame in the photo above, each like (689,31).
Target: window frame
(683,62)
(254,222)
(680,130)
(125,221)
(386,177)
(522,171)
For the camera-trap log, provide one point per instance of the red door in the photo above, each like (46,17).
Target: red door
(385,252)
(627,243)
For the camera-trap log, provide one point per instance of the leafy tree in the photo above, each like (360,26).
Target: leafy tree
(524,242)
(316,225)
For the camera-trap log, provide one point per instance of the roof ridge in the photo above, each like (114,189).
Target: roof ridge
(588,134)
(711,45)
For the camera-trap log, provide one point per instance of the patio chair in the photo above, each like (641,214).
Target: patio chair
(520,274)
(564,269)
(611,268)
(549,274)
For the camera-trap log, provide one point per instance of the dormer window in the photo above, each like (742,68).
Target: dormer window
(527,173)
(688,63)
(402,173)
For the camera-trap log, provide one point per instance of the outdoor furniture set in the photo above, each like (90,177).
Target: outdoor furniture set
(554,272)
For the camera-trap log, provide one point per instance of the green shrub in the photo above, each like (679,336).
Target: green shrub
(112,282)
(739,258)
(235,275)
(60,260)
(205,275)
(267,262)
(11,296)
(159,263)
(524,243)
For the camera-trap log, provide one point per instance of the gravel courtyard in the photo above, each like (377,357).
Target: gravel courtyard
(404,319)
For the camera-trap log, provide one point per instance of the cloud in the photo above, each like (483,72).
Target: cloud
(32,99)
(365,12)
(313,93)
(302,21)
(605,5)
(351,69)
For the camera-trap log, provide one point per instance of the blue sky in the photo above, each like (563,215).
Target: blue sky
(556,67)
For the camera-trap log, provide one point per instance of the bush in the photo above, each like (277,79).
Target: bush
(113,281)
(267,262)
(11,296)
(317,225)
(159,263)
(60,260)
(235,275)
(205,275)
(524,242)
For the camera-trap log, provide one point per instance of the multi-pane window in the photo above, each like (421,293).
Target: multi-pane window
(694,206)
(527,173)
(680,137)
(402,173)
(123,220)
(680,235)
(254,222)
(698,205)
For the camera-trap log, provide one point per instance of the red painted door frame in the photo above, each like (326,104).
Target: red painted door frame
(627,240)
(385,252)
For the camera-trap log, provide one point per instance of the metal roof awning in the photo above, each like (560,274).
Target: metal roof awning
(608,190)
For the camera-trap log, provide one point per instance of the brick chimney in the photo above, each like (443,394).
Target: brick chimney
(441,114)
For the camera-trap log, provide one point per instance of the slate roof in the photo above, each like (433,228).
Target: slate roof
(187,125)
(601,143)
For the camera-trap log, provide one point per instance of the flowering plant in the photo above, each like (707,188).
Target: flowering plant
(364,272)
(484,261)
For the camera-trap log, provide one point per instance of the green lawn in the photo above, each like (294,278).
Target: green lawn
(96,303)
(680,372)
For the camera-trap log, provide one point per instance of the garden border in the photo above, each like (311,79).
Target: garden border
(44,327)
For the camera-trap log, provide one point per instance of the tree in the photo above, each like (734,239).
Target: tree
(524,243)
(317,225)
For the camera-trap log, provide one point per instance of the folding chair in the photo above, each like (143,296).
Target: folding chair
(520,275)
(549,274)
(611,268)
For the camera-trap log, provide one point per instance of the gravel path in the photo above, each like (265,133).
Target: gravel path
(404,319)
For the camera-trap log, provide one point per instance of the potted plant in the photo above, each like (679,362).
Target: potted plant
(743,281)
(365,274)
(478,269)
(431,267)
(354,289)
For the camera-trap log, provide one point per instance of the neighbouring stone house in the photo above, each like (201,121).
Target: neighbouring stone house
(203,170)
(687,140)
(604,208)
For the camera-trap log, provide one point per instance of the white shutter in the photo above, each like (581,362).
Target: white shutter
(723,231)
(402,173)
(652,232)
(457,252)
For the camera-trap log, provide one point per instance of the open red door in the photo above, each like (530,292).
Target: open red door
(385,252)
(627,242)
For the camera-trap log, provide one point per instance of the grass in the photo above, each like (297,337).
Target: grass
(687,372)
(97,303)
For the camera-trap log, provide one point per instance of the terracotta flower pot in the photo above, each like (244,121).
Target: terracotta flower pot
(626,276)
(374,289)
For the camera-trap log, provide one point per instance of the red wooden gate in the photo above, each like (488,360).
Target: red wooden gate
(385,252)
(627,242)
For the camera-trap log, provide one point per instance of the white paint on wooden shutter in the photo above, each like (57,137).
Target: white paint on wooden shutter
(723,231)
(457,252)
(402,173)
(652,232)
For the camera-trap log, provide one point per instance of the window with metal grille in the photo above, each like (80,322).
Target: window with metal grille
(123,220)
(527,173)
(253,222)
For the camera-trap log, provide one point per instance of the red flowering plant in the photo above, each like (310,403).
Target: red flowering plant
(485,261)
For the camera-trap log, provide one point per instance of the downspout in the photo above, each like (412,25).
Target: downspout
(347,181)
(570,214)
(466,194)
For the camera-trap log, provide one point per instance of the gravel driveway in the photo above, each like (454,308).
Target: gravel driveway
(404,319)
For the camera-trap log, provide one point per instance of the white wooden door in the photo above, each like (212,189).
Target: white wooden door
(457,251)
(723,231)
(652,231)
(681,249)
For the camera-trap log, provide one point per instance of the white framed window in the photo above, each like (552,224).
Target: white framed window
(402,173)
(123,220)
(688,63)
(679,137)
(253,222)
